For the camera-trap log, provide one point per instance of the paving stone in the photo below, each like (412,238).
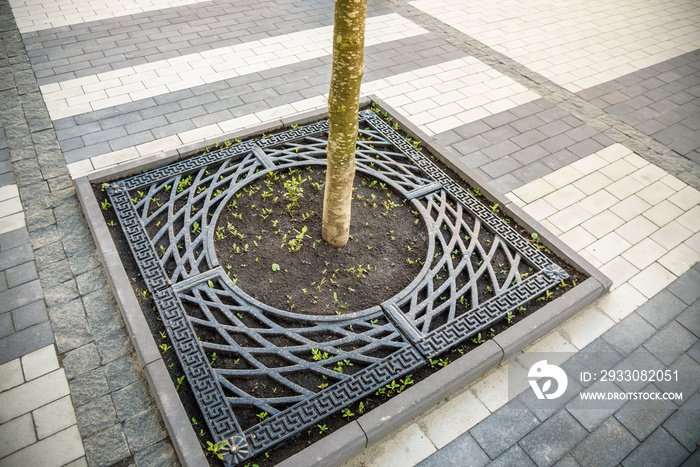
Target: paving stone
(144,429)
(80,360)
(544,409)
(463,447)
(591,414)
(96,415)
(688,371)
(25,341)
(662,308)
(29,315)
(102,314)
(684,424)
(21,274)
(609,444)
(504,428)
(54,417)
(670,342)
(160,454)
(629,334)
(16,434)
(59,449)
(69,325)
(123,372)
(685,287)
(547,443)
(513,456)
(114,346)
(107,447)
(13,239)
(32,395)
(88,387)
(658,449)
(132,400)
(690,318)
(638,360)
(641,417)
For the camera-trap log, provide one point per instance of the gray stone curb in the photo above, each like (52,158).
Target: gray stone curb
(398,411)
(184,441)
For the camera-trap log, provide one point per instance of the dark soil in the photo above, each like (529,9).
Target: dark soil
(271,245)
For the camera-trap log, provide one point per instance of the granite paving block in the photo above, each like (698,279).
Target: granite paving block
(107,447)
(660,448)
(160,454)
(629,334)
(132,399)
(88,386)
(642,416)
(609,444)
(454,453)
(114,345)
(96,415)
(123,372)
(81,360)
(504,428)
(556,436)
(144,429)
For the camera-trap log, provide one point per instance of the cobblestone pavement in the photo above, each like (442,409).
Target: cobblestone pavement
(586,113)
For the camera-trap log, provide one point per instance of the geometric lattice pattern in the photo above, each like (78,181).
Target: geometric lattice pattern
(477,269)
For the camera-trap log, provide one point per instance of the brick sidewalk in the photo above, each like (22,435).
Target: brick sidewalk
(586,114)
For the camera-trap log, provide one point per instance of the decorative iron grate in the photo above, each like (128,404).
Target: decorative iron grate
(169,217)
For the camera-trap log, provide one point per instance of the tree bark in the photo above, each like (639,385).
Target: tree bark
(343,106)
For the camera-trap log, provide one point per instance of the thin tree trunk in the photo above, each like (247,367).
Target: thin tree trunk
(343,105)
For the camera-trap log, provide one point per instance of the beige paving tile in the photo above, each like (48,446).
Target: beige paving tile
(649,173)
(540,209)
(54,417)
(674,182)
(680,259)
(652,280)
(32,395)
(39,362)
(585,327)
(11,374)
(618,169)
(552,343)
(534,190)
(453,418)
(565,176)
(686,199)
(492,391)
(577,238)
(608,247)
(630,207)
(598,202)
(593,182)
(690,219)
(602,224)
(644,253)
(625,187)
(620,302)
(407,446)
(588,164)
(564,197)
(636,229)
(663,213)
(15,435)
(656,192)
(614,152)
(54,451)
(671,235)
(694,242)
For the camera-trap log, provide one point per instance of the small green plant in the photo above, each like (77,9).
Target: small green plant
(106,205)
(319,355)
(164,347)
(180,380)
(347,413)
(215,448)
(194,421)
(322,429)
(509,317)
(494,208)
(213,357)
(478,339)
(275,267)
(262,416)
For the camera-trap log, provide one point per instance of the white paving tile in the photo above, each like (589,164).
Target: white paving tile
(452,418)
(540,34)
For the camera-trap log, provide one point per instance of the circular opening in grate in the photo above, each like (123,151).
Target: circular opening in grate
(268,240)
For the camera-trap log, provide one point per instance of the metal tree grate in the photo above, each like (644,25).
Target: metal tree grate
(477,270)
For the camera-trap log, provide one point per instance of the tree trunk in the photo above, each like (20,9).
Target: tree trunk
(343,106)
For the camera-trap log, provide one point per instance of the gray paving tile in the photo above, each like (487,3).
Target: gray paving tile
(504,428)
(629,334)
(550,441)
(456,452)
(544,409)
(694,352)
(21,274)
(687,372)
(686,287)
(597,355)
(21,295)
(27,340)
(29,315)
(693,460)
(684,424)
(670,342)
(609,444)
(513,456)
(641,416)
(591,414)
(499,166)
(659,449)
(662,308)
(567,461)
(638,360)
